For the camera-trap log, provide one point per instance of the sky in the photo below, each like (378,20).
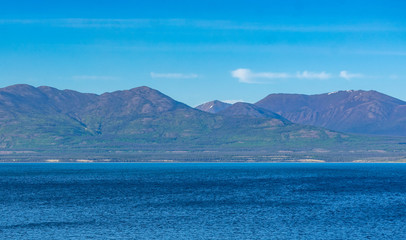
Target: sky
(198,51)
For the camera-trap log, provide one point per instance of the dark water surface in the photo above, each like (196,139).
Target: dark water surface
(202,201)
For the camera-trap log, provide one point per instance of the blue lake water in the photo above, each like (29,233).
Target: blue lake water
(202,201)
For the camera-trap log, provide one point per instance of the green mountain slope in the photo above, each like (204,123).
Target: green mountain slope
(49,122)
(47,116)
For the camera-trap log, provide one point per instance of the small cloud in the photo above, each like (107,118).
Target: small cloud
(313,75)
(348,76)
(174,75)
(232,101)
(94,77)
(245,75)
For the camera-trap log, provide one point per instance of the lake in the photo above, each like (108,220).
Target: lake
(202,201)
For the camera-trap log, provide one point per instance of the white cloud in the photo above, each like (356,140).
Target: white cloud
(245,75)
(94,77)
(313,75)
(348,76)
(174,75)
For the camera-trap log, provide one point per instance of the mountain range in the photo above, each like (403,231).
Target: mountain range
(143,122)
(363,112)
(32,116)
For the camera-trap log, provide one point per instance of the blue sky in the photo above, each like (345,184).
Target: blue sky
(197,51)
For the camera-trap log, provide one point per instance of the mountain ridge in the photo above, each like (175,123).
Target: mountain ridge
(366,112)
(143,124)
(139,114)
(351,111)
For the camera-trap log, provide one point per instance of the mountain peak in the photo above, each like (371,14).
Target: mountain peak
(140,100)
(19,94)
(20,89)
(344,91)
(143,89)
(213,106)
